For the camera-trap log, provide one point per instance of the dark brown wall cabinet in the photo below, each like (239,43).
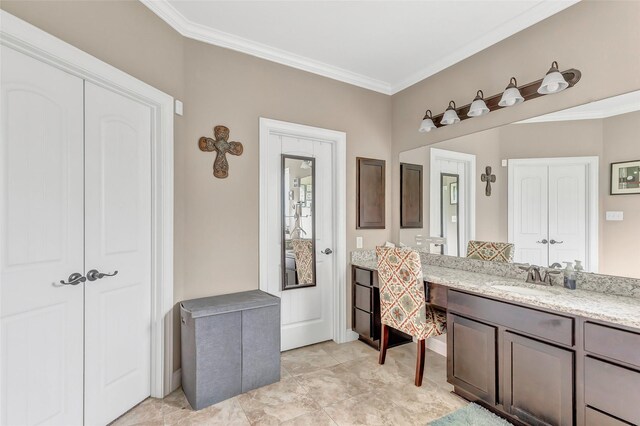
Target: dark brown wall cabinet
(410,195)
(370,189)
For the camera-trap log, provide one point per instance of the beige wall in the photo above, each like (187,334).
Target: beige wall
(598,37)
(621,136)
(216,220)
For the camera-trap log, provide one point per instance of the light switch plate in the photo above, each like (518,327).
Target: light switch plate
(358,242)
(615,215)
(179,107)
(505,163)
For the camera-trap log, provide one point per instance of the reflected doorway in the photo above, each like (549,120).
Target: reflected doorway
(449,213)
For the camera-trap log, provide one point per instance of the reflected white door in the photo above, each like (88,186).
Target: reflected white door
(118,238)
(550,212)
(306,313)
(528,196)
(568,213)
(41,228)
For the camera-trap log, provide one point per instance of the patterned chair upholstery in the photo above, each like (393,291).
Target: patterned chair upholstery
(494,252)
(303,253)
(403,302)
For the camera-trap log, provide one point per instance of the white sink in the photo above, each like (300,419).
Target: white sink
(526,291)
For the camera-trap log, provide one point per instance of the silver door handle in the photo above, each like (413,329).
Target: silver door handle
(555,242)
(327,251)
(74,279)
(543,241)
(94,274)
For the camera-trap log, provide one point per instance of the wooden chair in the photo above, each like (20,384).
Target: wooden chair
(487,250)
(403,303)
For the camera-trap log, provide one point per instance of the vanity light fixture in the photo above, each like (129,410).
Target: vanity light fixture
(450,115)
(427,123)
(511,95)
(478,107)
(553,82)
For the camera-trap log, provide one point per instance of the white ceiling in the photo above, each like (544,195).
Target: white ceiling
(384,46)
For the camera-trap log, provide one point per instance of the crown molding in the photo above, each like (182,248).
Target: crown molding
(532,16)
(199,32)
(167,12)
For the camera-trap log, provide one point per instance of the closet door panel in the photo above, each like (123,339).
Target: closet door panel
(567,213)
(41,233)
(530,219)
(118,229)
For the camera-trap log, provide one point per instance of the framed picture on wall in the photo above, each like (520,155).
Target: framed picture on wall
(453,193)
(625,178)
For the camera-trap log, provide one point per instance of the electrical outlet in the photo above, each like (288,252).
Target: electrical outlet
(359,242)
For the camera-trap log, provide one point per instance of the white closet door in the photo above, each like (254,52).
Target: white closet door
(41,230)
(529,196)
(568,214)
(118,238)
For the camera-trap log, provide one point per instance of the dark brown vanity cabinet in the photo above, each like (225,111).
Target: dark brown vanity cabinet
(365,318)
(537,380)
(472,357)
(512,358)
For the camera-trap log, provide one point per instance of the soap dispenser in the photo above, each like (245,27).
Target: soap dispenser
(579,267)
(569,276)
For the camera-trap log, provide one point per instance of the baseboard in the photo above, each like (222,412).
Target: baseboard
(438,346)
(176,379)
(350,336)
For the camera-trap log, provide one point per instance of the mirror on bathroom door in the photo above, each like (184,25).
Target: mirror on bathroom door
(563,187)
(298,222)
(449,226)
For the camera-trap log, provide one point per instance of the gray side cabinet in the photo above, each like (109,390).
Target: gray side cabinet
(230,345)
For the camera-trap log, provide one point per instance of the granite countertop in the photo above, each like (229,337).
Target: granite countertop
(622,310)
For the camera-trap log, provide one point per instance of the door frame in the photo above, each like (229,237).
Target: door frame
(592,164)
(339,141)
(34,42)
(469,161)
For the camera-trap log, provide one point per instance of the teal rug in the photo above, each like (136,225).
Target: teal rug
(471,415)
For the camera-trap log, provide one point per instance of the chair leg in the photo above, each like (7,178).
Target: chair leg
(384,343)
(420,363)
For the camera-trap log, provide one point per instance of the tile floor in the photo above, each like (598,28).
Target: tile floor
(323,384)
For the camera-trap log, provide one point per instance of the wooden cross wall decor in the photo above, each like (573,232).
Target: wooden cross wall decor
(489,178)
(221,146)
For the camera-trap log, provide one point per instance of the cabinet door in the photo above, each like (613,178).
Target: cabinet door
(472,364)
(537,381)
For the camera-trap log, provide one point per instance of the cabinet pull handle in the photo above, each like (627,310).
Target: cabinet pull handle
(74,279)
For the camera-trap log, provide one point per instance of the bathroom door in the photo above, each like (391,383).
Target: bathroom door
(307,312)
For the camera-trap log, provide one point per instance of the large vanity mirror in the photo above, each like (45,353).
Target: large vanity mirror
(563,187)
(298,222)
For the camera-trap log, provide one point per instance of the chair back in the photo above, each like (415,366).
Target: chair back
(402,296)
(487,250)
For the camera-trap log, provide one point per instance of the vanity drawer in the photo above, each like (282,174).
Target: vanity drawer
(613,343)
(362,323)
(612,389)
(596,418)
(555,328)
(363,276)
(362,297)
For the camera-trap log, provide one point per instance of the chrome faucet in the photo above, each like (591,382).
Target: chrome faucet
(534,276)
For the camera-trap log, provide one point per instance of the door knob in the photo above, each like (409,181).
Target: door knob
(555,242)
(74,279)
(94,274)
(543,241)
(327,251)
